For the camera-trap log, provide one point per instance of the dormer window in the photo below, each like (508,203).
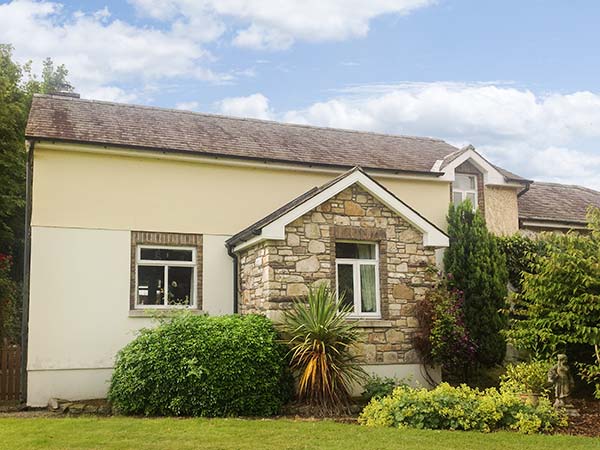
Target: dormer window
(463,188)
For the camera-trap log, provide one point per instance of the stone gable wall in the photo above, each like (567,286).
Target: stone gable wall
(273,273)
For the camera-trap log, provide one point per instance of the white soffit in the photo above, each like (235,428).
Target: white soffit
(432,236)
(491,175)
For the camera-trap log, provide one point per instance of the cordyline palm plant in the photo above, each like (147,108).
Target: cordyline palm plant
(321,344)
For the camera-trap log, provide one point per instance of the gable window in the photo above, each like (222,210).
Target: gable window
(165,277)
(357,277)
(464,188)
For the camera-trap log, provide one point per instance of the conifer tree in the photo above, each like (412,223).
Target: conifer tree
(475,265)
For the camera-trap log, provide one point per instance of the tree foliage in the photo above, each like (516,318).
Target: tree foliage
(560,301)
(9,323)
(475,265)
(520,252)
(17,86)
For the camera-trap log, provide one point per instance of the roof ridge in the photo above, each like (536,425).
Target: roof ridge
(243,119)
(552,183)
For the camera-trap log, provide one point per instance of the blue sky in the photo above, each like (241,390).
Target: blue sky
(517,79)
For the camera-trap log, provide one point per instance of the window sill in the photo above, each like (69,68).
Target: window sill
(156,312)
(371,323)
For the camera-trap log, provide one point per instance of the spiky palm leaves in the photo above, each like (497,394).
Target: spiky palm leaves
(321,344)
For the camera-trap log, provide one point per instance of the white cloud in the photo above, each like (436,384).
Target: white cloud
(111,94)
(552,137)
(100,51)
(277,24)
(255,105)
(187,106)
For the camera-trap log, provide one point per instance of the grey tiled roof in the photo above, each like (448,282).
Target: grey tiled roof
(557,202)
(71,119)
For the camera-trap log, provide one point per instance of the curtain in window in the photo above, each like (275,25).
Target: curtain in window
(367,288)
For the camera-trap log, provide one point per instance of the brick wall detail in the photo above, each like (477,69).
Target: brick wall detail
(169,240)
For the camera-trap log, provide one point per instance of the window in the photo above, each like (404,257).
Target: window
(357,274)
(463,188)
(165,277)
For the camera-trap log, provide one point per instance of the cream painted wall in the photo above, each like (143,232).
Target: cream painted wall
(86,190)
(81,384)
(414,374)
(79,307)
(217,279)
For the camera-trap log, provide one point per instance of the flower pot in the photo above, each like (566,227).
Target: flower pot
(530,397)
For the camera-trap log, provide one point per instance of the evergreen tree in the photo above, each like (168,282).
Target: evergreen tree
(476,266)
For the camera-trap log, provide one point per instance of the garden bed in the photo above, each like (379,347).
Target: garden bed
(588,423)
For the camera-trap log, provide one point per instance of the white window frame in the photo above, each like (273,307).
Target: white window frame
(166,264)
(464,192)
(356,263)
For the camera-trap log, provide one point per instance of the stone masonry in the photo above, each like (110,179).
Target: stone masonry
(273,273)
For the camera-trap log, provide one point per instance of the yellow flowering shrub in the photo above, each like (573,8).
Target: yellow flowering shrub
(460,408)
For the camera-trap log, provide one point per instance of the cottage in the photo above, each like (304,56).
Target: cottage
(135,210)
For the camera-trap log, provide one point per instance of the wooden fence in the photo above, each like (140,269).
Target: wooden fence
(10,372)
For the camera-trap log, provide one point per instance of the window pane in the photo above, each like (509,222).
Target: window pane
(180,286)
(465,182)
(462,182)
(367,288)
(346,284)
(354,250)
(471,196)
(166,254)
(150,285)
(457,198)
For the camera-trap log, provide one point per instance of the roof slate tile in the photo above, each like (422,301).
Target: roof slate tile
(64,118)
(557,202)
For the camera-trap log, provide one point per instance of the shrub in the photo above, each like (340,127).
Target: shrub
(526,377)
(443,338)
(321,344)
(520,252)
(202,366)
(476,267)
(560,301)
(460,408)
(378,387)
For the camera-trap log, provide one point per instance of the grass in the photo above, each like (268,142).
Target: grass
(175,434)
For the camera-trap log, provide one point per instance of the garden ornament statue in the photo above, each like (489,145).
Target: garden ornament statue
(561,378)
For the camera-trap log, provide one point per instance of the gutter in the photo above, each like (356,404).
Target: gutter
(26,272)
(524,190)
(234,257)
(217,156)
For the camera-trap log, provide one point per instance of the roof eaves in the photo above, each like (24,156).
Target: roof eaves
(425,173)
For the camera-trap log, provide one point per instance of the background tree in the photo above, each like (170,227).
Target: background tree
(475,265)
(17,86)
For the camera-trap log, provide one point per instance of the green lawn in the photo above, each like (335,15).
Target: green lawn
(140,434)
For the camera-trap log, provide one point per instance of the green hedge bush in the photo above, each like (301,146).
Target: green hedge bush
(460,408)
(202,366)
